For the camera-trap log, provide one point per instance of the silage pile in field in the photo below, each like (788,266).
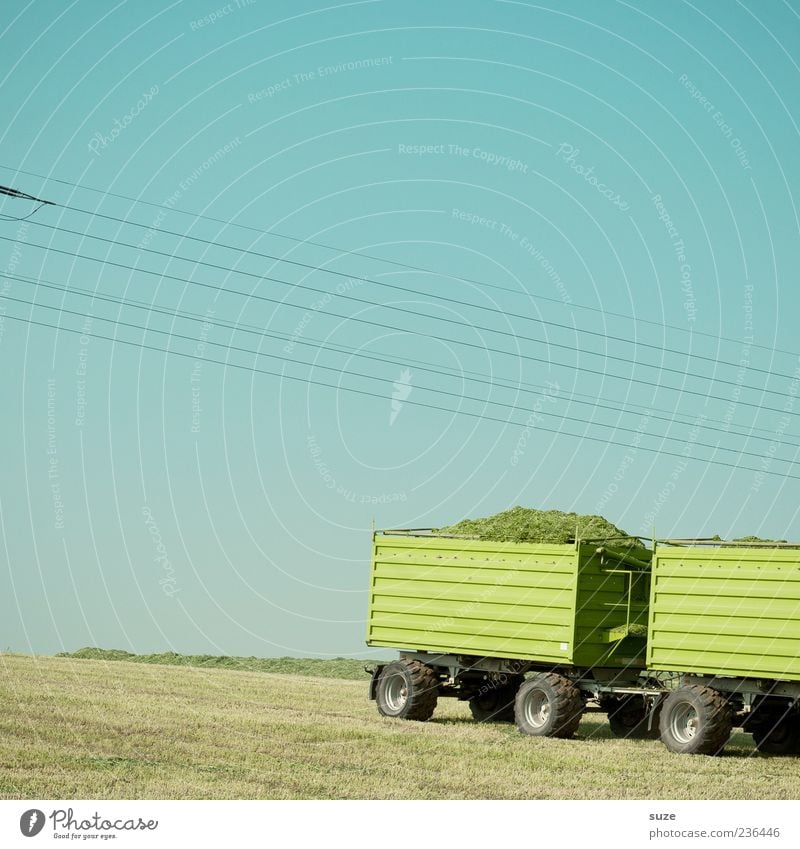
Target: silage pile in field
(526,524)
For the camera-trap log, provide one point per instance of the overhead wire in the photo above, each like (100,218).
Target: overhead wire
(363,392)
(516,337)
(465,375)
(23,217)
(9,191)
(417,386)
(450,321)
(481,347)
(715,361)
(344,251)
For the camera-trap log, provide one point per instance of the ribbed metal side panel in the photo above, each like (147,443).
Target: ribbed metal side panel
(726,612)
(488,599)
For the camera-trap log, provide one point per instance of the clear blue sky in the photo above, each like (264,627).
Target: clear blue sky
(583,196)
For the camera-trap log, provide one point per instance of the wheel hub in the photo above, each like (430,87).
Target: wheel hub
(396,693)
(537,709)
(685,723)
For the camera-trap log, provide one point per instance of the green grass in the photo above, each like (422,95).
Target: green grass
(339,667)
(97,729)
(526,524)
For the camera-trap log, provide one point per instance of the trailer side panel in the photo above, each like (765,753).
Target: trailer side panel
(470,597)
(725,611)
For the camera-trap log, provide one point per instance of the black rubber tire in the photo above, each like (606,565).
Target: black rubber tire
(696,720)
(407,689)
(548,705)
(627,718)
(776,734)
(497,703)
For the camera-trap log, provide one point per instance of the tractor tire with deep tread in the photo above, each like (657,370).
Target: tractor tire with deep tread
(496,704)
(628,718)
(776,734)
(548,705)
(696,720)
(407,689)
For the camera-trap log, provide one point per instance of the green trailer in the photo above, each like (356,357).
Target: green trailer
(725,618)
(681,642)
(472,618)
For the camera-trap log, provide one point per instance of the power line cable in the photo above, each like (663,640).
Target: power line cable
(464,375)
(406,291)
(16,193)
(483,348)
(460,396)
(344,251)
(22,217)
(470,326)
(8,191)
(363,392)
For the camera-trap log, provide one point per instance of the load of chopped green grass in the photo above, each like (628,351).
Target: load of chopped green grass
(339,667)
(749,538)
(526,524)
(752,538)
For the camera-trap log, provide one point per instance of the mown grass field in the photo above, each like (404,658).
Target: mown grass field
(339,667)
(78,728)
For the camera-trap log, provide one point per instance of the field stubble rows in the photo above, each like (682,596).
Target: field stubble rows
(75,729)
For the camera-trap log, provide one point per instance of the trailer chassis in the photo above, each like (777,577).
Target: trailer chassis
(699,710)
